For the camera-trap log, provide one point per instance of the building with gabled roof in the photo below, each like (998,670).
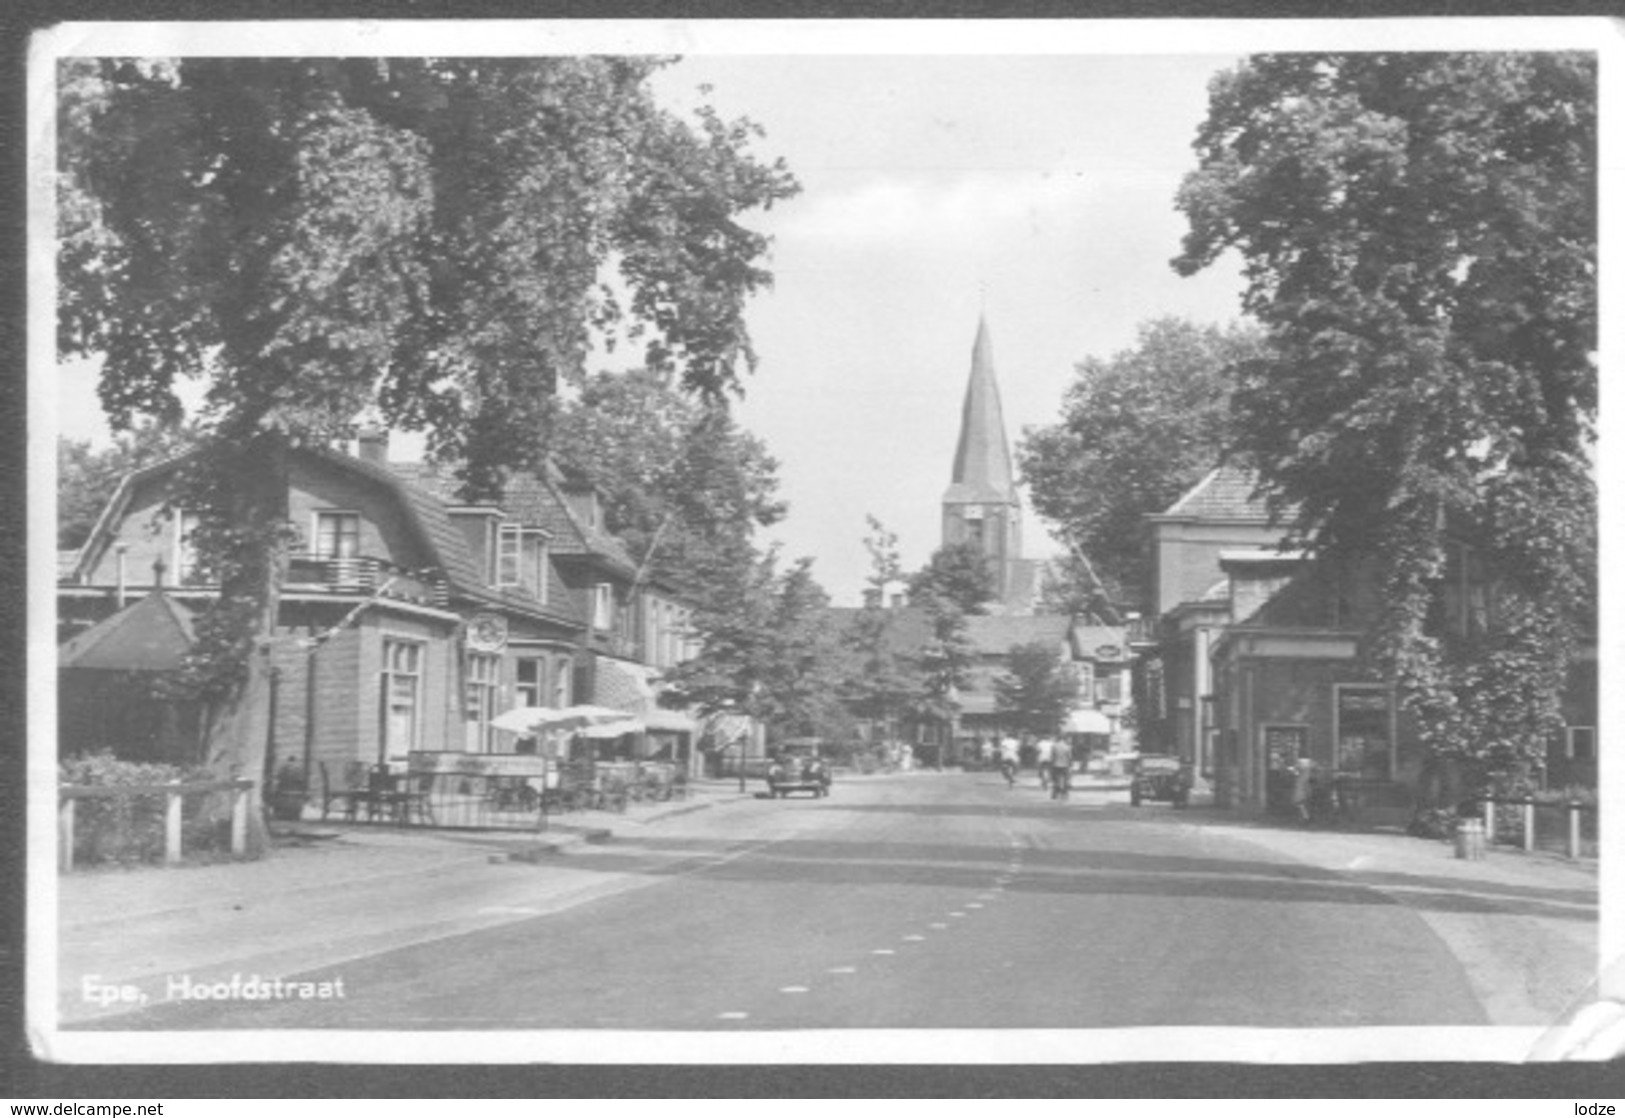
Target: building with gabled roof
(409,619)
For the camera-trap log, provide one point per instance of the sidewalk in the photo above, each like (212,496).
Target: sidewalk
(1523,925)
(328,894)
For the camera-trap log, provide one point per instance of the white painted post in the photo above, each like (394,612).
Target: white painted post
(239,820)
(172,827)
(64,837)
(1528,826)
(1489,823)
(1574,829)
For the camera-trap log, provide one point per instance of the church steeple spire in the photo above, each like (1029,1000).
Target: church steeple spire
(982,506)
(982,462)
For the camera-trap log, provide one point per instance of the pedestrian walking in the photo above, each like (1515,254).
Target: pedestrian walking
(1060,770)
(1302,788)
(1009,758)
(1046,753)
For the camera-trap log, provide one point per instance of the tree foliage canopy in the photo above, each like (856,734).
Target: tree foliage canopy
(955,577)
(437,239)
(1137,429)
(1038,688)
(427,235)
(1418,233)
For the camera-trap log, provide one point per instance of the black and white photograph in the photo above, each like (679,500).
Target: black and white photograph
(793,543)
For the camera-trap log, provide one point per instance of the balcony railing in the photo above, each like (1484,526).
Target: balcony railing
(363,574)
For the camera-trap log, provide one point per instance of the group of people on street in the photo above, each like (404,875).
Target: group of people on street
(1053,757)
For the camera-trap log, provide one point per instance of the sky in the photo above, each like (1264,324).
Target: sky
(1035,190)
(950,170)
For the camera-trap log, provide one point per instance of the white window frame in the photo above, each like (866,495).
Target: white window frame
(482,698)
(509,567)
(318,516)
(1568,742)
(186,560)
(412,652)
(603,607)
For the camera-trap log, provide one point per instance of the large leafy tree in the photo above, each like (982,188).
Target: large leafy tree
(953,585)
(430,237)
(957,577)
(687,489)
(1137,429)
(884,679)
(1038,688)
(770,653)
(1418,233)
(685,486)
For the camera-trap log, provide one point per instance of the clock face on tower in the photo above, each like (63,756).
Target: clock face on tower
(487,632)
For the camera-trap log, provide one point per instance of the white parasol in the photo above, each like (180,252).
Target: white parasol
(612,729)
(535,720)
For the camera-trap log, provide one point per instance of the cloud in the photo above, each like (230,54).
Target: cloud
(900,210)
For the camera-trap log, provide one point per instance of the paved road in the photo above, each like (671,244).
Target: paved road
(930,902)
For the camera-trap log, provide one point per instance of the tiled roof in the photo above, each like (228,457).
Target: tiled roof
(908,628)
(1225,494)
(151,635)
(995,636)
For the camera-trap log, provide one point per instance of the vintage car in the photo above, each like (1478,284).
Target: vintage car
(1160,778)
(799,767)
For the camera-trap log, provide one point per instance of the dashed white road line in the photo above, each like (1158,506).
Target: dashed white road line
(843,970)
(882,951)
(733,1015)
(792,989)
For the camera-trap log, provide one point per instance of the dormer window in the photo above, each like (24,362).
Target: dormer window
(338,535)
(603,606)
(187,569)
(509,555)
(534,576)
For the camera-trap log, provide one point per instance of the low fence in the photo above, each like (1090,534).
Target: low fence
(1568,827)
(135,824)
(513,791)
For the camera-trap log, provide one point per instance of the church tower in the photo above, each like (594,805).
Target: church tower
(982,506)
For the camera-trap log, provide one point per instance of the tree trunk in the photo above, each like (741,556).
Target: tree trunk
(250,488)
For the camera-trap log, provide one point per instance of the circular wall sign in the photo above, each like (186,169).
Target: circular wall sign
(487,632)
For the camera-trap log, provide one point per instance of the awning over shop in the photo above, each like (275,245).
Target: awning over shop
(632,688)
(1087,722)
(671,721)
(623,686)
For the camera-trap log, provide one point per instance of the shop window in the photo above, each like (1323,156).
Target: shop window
(1581,743)
(1363,731)
(480,700)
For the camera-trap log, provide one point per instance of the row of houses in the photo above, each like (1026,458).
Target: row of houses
(1096,655)
(409,619)
(1256,657)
